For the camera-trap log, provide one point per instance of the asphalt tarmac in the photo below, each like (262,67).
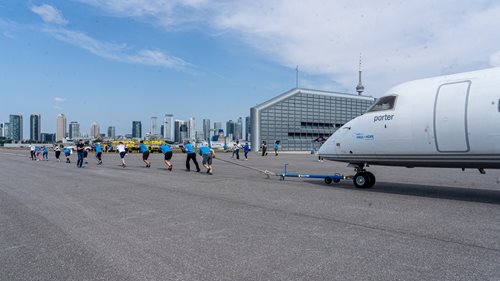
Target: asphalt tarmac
(58,222)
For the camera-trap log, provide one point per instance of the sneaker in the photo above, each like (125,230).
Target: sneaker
(170,168)
(198,170)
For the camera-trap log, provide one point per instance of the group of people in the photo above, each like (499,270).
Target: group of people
(205,151)
(36,151)
(236,150)
(276,148)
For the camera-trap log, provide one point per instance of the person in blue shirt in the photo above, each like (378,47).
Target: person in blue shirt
(207,154)
(191,155)
(67,153)
(37,153)
(246,149)
(145,153)
(167,152)
(98,153)
(45,154)
(276,147)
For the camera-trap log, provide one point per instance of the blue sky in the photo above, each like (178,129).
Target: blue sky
(115,61)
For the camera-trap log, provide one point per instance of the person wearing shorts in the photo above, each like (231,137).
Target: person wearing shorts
(67,153)
(37,153)
(45,154)
(57,151)
(85,155)
(98,154)
(167,152)
(207,154)
(145,154)
(123,151)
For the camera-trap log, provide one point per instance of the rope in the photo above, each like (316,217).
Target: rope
(265,172)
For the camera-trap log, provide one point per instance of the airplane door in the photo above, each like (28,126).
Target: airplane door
(450,117)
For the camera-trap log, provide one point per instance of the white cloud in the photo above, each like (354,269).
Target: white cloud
(49,14)
(399,40)
(165,13)
(117,52)
(59,99)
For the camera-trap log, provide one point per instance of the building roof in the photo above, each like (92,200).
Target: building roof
(296,91)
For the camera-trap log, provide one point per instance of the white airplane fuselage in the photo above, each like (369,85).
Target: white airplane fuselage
(448,121)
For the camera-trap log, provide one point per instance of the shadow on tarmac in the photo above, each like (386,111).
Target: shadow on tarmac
(438,192)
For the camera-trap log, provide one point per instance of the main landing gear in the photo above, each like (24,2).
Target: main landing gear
(363,178)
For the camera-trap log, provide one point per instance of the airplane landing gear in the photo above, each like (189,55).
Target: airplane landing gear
(363,178)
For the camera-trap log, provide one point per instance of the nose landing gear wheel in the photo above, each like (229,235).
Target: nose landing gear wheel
(364,180)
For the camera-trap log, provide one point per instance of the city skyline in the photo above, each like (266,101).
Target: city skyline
(62,126)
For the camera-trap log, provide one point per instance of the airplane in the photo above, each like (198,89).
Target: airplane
(450,121)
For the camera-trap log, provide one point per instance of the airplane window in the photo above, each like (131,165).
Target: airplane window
(384,103)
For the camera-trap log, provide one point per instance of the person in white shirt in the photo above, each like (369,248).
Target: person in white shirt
(32,151)
(122,149)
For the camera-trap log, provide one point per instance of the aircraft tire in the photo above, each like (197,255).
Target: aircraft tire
(372,178)
(362,180)
(328,180)
(336,180)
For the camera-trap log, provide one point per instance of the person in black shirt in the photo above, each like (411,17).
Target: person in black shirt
(80,147)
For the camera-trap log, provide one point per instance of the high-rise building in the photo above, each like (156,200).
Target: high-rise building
(95,130)
(16,127)
(6,130)
(154,126)
(35,127)
(74,130)
(47,138)
(181,130)
(206,129)
(184,132)
(111,132)
(217,126)
(238,129)
(137,129)
(248,128)
(192,129)
(230,129)
(169,127)
(61,127)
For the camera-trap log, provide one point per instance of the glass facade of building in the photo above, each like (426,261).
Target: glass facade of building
(299,116)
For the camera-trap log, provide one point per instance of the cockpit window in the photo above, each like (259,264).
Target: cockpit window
(384,103)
